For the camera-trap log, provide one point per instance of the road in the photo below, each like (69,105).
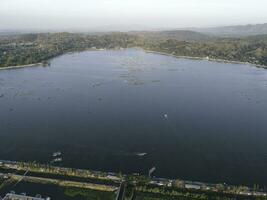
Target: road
(121,191)
(64,183)
(23,176)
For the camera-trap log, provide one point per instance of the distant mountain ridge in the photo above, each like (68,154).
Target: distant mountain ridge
(180,35)
(234,31)
(205,34)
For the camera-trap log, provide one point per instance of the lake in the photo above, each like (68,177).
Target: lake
(128,111)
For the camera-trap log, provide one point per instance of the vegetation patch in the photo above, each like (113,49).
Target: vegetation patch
(86,194)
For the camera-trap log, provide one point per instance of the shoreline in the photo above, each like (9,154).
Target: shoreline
(207,59)
(147,51)
(21,66)
(43,169)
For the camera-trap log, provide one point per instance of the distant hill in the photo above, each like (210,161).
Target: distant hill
(180,35)
(235,31)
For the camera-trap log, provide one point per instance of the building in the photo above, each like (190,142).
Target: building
(10,196)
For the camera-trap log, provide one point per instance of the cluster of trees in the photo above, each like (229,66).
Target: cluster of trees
(81,193)
(154,193)
(252,50)
(36,48)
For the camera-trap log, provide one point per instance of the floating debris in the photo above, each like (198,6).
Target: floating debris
(97,84)
(140,154)
(57,153)
(27,93)
(172,70)
(2,95)
(165,116)
(135,82)
(57,157)
(57,160)
(155,81)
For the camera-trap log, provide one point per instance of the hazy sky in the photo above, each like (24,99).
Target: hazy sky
(130,14)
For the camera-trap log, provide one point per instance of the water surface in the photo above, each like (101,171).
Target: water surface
(129,111)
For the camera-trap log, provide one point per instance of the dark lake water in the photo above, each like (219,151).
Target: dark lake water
(129,111)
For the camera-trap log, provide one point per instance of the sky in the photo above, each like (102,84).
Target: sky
(128,14)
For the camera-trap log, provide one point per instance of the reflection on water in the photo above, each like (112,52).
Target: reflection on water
(130,110)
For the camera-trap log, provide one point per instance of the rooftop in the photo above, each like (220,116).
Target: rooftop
(10,196)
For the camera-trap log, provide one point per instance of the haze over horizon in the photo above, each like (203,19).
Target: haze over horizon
(128,14)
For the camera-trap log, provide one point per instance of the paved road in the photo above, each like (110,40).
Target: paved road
(23,176)
(121,191)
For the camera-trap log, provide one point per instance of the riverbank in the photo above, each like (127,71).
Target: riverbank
(206,58)
(21,66)
(22,171)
